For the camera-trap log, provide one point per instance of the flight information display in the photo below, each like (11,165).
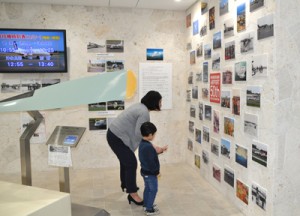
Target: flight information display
(33,50)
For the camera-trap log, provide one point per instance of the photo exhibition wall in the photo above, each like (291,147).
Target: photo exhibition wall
(238,87)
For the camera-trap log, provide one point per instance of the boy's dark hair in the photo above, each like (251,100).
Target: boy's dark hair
(151,100)
(148,128)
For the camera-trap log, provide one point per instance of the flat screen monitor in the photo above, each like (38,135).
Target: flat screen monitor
(33,51)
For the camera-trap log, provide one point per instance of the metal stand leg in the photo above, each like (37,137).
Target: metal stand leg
(64,179)
(25,147)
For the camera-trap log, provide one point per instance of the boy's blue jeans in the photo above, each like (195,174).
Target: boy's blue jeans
(151,187)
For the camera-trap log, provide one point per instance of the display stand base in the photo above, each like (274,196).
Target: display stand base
(80,210)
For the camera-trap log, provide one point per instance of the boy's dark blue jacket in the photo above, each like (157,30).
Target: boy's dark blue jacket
(148,158)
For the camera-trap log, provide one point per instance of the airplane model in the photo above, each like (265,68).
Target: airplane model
(30,53)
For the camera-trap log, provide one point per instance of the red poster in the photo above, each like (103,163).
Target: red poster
(215,85)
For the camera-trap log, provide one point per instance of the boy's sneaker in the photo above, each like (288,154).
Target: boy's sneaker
(155,207)
(151,212)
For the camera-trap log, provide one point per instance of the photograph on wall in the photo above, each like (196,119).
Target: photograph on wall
(227,75)
(207,112)
(251,124)
(48,82)
(205,134)
(204,7)
(217,40)
(247,42)
(236,101)
(217,172)
(189,46)
(223,7)
(199,76)
(193,57)
(265,27)
(229,126)
(201,111)
(191,126)
(116,105)
(96,47)
(241,155)
(188,95)
(190,78)
(205,72)
(259,195)
(207,51)
(214,146)
(242,191)
(225,148)
(229,176)
(195,92)
(114,65)
(212,21)
(260,153)
(228,28)
(10,86)
(190,144)
(155,54)
(205,156)
(215,87)
(39,135)
(203,28)
(188,20)
(115,46)
(192,111)
(195,27)
(216,121)
(199,50)
(241,17)
(230,50)
(253,96)
(225,99)
(256,4)
(197,160)
(259,66)
(30,85)
(101,106)
(96,65)
(205,93)
(97,124)
(240,71)
(198,135)
(216,60)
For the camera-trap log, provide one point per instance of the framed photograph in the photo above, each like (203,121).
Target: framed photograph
(199,50)
(205,72)
(242,191)
(241,17)
(203,29)
(198,135)
(115,46)
(256,4)
(114,65)
(214,146)
(236,101)
(228,28)
(199,76)
(11,86)
(230,50)
(215,87)
(201,111)
(241,155)
(97,124)
(216,121)
(206,133)
(207,112)
(155,54)
(225,148)
(229,176)
(259,66)
(188,20)
(192,111)
(204,7)
(191,126)
(205,93)
(217,172)
(251,124)
(28,85)
(96,47)
(95,65)
(227,76)
(260,153)
(253,96)
(265,27)
(116,105)
(223,7)
(212,21)
(217,40)
(190,78)
(205,156)
(207,51)
(259,196)
(195,92)
(225,99)
(193,57)
(190,144)
(97,106)
(197,160)
(240,71)
(229,126)
(195,27)
(246,42)
(188,95)
(216,60)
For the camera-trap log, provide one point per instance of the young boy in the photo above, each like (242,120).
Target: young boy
(149,167)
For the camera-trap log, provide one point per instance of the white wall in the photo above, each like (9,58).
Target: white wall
(140,29)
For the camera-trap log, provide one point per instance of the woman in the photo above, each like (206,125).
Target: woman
(124,136)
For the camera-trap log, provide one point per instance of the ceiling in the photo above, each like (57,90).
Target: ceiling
(149,4)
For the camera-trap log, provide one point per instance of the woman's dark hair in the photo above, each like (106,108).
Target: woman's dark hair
(148,128)
(151,100)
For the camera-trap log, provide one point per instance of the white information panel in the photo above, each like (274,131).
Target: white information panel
(59,155)
(158,77)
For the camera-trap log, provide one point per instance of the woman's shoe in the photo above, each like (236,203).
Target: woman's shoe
(130,199)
